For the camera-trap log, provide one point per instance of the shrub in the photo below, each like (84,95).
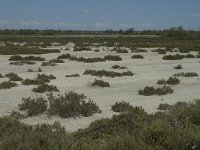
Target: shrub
(148,91)
(173,81)
(113,58)
(73,75)
(45,78)
(41,88)
(178,67)
(100,83)
(139,50)
(32,82)
(137,57)
(48,64)
(112,74)
(54,61)
(121,107)
(118,67)
(173,57)
(16,58)
(38,70)
(71,104)
(7,85)
(33,106)
(164,106)
(1,76)
(187,74)
(96,50)
(22,62)
(64,56)
(13,77)
(162,81)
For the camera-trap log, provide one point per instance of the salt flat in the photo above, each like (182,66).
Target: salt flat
(147,71)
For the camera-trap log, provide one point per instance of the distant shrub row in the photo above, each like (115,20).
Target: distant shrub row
(30,58)
(186,74)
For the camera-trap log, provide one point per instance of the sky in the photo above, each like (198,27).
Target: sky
(99,14)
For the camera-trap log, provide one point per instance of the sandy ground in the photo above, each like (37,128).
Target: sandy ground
(147,71)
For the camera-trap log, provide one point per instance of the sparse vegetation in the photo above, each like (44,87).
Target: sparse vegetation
(33,106)
(13,77)
(149,91)
(7,85)
(137,57)
(105,73)
(73,75)
(164,106)
(100,83)
(173,57)
(22,62)
(170,81)
(113,58)
(118,67)
(41,88)
(186,74)
(178,67)
(122,107)
(29,58)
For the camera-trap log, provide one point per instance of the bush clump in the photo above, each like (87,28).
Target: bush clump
(170,81)
(121,107)
(72,75)
(22,62)
(118,67)
(164,106)
(186,74)
(33,106)
(173,57)
(113,58)
(149,91)
(105,73)
(137,57)
(30,58)
(1,76)
(71,104)
(32,82)
(7,85)
(13,77)
(100,83)
(41,88)
(178,67)
(45,78)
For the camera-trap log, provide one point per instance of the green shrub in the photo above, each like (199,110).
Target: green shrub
(189,56)
(45,78)
(7,85)
(173,57)
(164,106)
(17,115)
(32,82)
(73,75)
(121,107)
(71,104)
(41,88)
(1,76)
(100,83)
(13,77)
(149,90)
(16,58)
(48,64)
(54,61)
(186,74)
(113,58)
(64,56)
(20,58)
(105,73)
(137,57)
(162,81)
(173,81)
(38,70)
(118,67)
(33,106)
(22,62)
(178,67)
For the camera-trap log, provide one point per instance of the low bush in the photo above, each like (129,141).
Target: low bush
(105,73)
(33,106)
(32,82)
(100,83)
(138,51)
(164,106)
(113,58)
(54,61)
(149,91)
(64,56)
(16,58)
(48,64)
(121,107)
(173,57)
(120,50)
(45,78)
(22,62)
(189,56)
(170,81)
(38,70)
(186,74)
(178,67)
(137,57)
(73,75)
(118,67)
(13,77)
(41,88)
(7,85)
(71,104)
(1,76)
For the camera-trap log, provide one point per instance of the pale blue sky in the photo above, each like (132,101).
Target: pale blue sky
(99,14)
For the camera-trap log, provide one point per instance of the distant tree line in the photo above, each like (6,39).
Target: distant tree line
(172,32)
